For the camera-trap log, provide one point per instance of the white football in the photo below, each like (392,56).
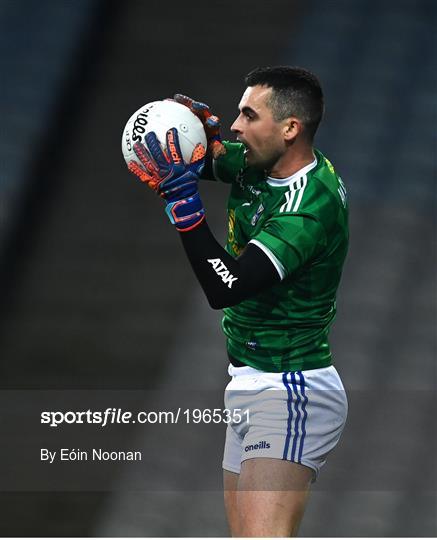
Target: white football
(160,116)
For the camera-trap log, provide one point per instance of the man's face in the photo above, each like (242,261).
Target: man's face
(257,130)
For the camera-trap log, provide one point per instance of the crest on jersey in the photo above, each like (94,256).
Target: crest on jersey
(257,215)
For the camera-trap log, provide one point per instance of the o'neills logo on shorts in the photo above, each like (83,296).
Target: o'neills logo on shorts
(258,446)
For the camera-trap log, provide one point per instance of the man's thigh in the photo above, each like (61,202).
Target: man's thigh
(271,497)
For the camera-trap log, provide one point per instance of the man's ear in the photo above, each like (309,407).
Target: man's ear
(292,128)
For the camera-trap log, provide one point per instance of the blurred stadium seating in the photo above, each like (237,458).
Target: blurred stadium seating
(38,46)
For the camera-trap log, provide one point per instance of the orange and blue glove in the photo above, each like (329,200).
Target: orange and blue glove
(170,177)
(211,123)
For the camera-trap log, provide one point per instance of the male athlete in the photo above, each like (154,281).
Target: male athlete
(276,280)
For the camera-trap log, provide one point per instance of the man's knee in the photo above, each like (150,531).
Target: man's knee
(270,513)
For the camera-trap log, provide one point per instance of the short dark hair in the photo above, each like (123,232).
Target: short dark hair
(295,92)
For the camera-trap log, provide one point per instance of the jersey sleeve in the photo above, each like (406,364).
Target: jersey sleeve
(227,167)
(291,241)
(298,231)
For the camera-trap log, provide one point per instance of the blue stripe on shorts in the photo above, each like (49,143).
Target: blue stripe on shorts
(290,415)
(300,418)
(305,414)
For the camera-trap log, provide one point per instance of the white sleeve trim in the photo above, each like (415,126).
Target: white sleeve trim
(275,261)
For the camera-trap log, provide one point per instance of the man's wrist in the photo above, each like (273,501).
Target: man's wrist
(187,213)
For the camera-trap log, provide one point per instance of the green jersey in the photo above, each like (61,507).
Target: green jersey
(301,224)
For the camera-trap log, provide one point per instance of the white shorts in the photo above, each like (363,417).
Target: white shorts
(295,416)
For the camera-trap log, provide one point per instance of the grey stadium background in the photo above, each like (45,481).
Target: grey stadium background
(89,299)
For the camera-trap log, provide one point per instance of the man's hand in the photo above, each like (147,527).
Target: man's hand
(211,123)
(171,178)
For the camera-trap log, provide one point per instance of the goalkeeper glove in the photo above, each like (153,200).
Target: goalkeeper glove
(170,177)
(211,123)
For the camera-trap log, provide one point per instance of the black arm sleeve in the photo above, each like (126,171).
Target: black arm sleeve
(227,281)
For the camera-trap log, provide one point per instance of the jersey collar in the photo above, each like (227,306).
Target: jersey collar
(281,182)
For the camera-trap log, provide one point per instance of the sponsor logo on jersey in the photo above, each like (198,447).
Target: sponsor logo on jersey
(257,215)
(252,190)
(259,446)
(240,181)
(251,345)
(222,271)
(240,177)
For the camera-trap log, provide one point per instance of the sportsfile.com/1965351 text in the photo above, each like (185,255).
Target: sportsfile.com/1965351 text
(113,415)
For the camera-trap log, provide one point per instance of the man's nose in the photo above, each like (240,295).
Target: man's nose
(235,128)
